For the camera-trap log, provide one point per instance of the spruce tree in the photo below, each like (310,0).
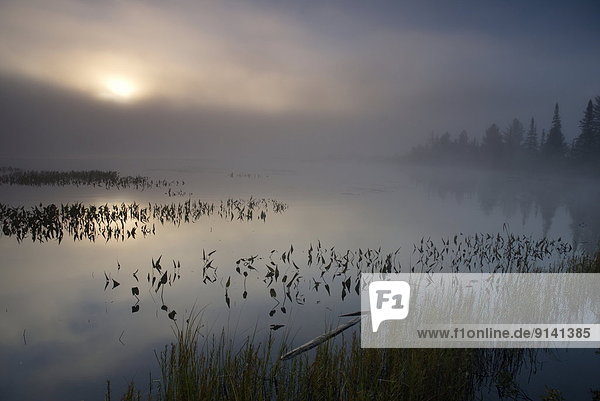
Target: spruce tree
(492,145)
(463,139)
(596,128)
(513,137)
(543,140)
(555,146)
(531,141)
(584,145)
(492,139)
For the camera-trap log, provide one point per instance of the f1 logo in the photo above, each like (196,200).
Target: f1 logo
(389,300)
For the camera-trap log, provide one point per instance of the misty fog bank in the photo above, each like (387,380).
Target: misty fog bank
(42,121)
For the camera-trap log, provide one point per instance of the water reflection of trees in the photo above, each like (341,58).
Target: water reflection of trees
(526,196)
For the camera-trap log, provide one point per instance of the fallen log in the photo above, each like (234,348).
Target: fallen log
(320,339)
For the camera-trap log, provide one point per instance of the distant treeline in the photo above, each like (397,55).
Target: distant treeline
(517,146)
(106,179)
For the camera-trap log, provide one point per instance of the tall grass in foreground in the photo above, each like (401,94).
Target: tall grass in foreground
(586,264)
(214,368)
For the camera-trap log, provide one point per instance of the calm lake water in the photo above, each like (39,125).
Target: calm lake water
(65,330)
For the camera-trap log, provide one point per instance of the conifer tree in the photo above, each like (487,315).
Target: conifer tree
(531,141)
(596,128)
(463,139)
(555,146)
(513,137)
(492,145)
(492,139)
(584,145)
(543,140)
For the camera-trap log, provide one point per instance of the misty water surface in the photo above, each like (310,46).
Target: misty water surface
(66,327)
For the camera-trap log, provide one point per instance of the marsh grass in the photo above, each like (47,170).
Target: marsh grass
(95,178)
(195,367)
(585,263)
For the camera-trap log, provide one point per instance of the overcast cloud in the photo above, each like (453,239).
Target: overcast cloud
(303,79)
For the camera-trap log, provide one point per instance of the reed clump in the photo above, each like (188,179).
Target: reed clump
(94,178)
(586,263)
(214,368)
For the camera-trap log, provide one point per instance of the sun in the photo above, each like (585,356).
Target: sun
(119,88)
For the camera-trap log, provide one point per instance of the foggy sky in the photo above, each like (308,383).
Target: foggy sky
(284,79)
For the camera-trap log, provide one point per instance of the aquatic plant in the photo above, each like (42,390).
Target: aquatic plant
(245,175)
(288,276)
(94,178)
(199,366)
(121,221)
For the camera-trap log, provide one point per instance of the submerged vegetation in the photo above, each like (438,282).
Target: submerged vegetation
(287,277)
(94,178)
(199,366)
(121,221)
(245,175)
